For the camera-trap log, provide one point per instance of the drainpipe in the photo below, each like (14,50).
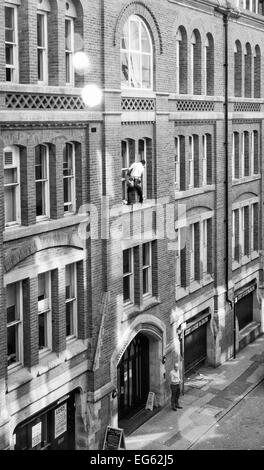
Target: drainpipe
(227,13)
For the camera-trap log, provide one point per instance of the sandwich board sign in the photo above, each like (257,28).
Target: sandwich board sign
(151,401)
(114,439)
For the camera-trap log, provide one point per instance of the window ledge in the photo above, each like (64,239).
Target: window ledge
(139,93)
(245,179)
(194,191)
(235,265)
(181,292)
(147,203)
(194,285)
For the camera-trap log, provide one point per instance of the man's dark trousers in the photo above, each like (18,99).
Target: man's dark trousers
(137,187)
(175,393)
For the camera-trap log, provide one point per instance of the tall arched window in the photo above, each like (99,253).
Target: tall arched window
(196,62)
(248,71)
(181,61)
(238,69)
(257,73)
(136,55)
(209,65)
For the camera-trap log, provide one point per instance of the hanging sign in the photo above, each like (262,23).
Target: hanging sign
(151,401)
(60,420)
(36,434)
(114,439)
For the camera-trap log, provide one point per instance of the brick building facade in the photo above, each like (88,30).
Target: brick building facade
(99,298)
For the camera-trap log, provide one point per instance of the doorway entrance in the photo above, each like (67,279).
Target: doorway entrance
(133,377)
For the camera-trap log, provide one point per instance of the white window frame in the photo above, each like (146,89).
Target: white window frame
(73,300)
(147,268)
(72,179)
(45,308)
(129,51)
(178,258)
(15,66)
(192,253)
(18,323)
(204,242)
(131,300)
(44,48)
(177,163)
(69,52)
(191,161)
(204,159)
(45,182)
(138,159)
(15,165)
(243,155)
(124,169)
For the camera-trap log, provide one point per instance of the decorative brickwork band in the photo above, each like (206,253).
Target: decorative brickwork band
(38,101)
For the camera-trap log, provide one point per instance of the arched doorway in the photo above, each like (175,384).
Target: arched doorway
(133,377)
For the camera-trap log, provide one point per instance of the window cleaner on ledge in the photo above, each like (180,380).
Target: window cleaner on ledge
(135,175)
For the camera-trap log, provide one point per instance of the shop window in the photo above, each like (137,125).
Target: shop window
(44,312)
(14,312)
(196,63)
(181,61)
(69,198)
(11,43)
(248,71)
(147,268)
(42,181)
(136,55)
(209,65)
(257,73)
(128,276)
(71,301)
(238,69)
(12,186)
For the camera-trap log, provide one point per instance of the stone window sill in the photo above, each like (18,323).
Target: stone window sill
(194,191)
(133,310)
(245,179)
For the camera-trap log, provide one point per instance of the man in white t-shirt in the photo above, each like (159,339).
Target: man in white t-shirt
(135,174)
(175,384)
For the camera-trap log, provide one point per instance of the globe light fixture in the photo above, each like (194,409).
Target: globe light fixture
(80,62)
(92,95)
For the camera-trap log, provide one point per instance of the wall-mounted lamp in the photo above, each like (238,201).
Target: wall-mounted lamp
(114,393)
(163,359)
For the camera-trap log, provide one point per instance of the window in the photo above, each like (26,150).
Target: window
(245,231)
(255,153)
(194,161)
(235,237)
(196,63)
(69,50)
(205,246)
(136,55)
(69,178)
(125,167)
(245,154)
(248,71)
(12,185)
(14,310)
(42,47)
(11,44)
(257,73)
(209,65)
(146,267)
(177,163)
(238,69)
(41,180)
(71,301)
(44,311)
(191,158)
(128,276)
(254,227)
(235,156)
(181,61)
(207,159)
(142,155)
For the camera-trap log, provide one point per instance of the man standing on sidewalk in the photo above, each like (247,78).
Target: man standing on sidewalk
(175,384)
(135,175)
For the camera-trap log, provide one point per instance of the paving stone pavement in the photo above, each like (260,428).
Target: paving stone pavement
(208,397)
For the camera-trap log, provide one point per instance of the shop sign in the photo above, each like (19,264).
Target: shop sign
(114,439)
(245,292)
(36,434)
(197,325)
(60,420)
(151,401)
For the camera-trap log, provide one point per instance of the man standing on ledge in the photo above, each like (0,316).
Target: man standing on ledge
(175,382)
(135,174)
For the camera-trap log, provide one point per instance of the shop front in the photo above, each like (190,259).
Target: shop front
(244,305)
(51,429)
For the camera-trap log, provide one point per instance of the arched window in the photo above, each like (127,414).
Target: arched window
(181,61)
(257,73)
(136,55)
(209,65)
(238,69)
(196,63)
(248,71)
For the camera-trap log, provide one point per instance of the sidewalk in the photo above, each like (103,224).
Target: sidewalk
(209,395)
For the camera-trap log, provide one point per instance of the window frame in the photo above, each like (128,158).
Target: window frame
(177,174)
(15,66)
(131,299)
(46,309)
(191,162)
(43,48)
(15,156)
(69,52)
(45,182)
(18,324)
(72,179)
(129,51)
(148,268)
(73,300)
